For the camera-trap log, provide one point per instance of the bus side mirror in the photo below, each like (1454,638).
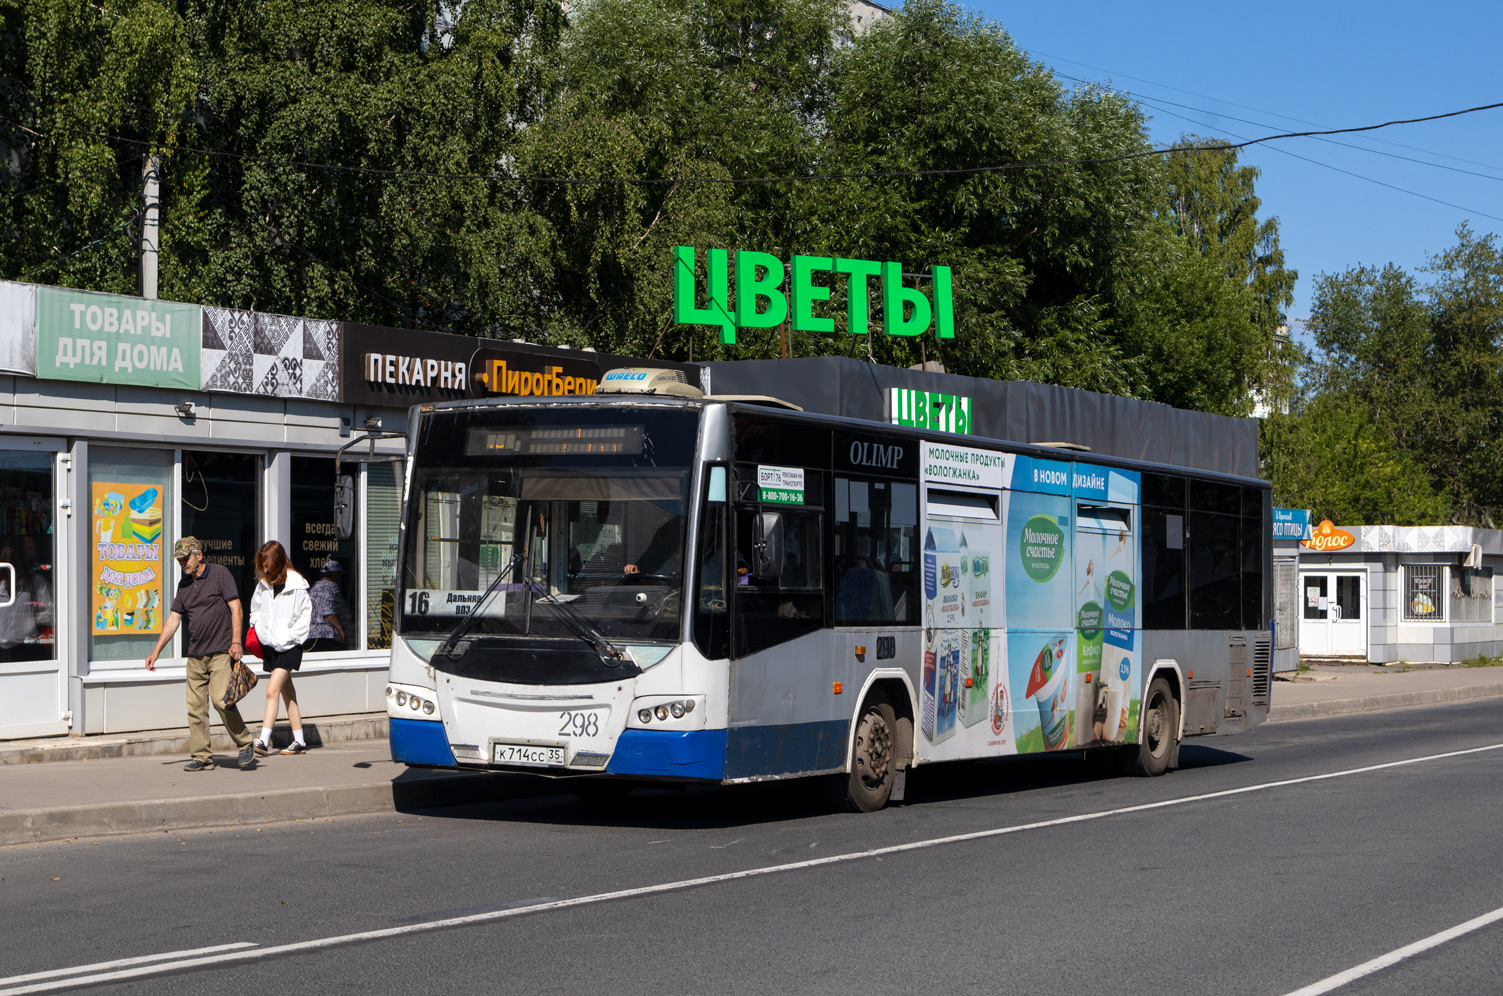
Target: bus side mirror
(768,543)
(344,506)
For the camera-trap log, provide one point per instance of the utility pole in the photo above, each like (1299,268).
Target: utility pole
(151,176)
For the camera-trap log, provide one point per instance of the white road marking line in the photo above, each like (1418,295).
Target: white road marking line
(1399,954)
(364,937)
(122,962)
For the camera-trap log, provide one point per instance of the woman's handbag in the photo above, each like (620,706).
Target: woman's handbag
(252,643)
(242,680)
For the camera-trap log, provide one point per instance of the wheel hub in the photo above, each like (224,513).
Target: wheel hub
(876,753)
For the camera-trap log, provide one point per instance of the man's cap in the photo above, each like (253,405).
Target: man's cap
(330,566)
(185,546)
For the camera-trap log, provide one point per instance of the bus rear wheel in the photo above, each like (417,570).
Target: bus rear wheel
(868,785)
(1158,733)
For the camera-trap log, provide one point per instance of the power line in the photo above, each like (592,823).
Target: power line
(1154,102)
(1359,176)
(134,217)
(863,175)
(1233,103)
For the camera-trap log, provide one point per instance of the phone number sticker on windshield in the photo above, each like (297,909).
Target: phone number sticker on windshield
(530,755)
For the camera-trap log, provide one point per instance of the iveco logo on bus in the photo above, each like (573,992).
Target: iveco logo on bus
(876,455)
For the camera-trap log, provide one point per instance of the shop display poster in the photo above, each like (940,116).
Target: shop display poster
(128,564)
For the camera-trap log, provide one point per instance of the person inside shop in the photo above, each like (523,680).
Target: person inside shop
(207,603)
(333,623)
(282,615)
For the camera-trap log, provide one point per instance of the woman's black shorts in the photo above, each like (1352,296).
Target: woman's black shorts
(291,659)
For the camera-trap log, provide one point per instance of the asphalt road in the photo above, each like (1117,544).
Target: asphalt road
(1267,864)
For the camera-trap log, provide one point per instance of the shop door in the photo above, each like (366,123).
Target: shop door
(32,688)
(1333,618)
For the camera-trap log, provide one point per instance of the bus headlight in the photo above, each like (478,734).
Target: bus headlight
(408,702)
(667,711)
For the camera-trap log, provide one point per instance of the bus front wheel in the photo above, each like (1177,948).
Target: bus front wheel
(1158,733)
(868,785)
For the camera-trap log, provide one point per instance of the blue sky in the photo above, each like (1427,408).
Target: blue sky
(1239,71)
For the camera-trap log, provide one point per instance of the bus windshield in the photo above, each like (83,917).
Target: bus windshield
(559,522)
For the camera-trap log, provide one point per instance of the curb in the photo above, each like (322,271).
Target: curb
(412,790)
(1381,703)
(93,747)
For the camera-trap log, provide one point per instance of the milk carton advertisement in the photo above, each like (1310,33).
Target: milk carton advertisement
(942,677)
(975,690)
(944,596)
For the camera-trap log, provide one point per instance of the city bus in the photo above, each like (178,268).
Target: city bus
(658,585)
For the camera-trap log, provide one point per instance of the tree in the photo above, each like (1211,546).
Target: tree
(498,169)
(1400,417)
(1209,301)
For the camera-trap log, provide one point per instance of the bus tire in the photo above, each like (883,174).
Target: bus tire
(1158,733)
(873,770)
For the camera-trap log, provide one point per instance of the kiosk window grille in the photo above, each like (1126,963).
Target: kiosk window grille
(1424,593)
(1472,595)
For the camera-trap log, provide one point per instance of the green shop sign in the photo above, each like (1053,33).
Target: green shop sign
(117,340)
(756,299)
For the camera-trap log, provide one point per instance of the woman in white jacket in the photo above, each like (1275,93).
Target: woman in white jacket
(281,613)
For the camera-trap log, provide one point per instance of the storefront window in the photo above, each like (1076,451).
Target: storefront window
(1423,594)
(383,512)
(221,506)
(314,544)
(27,577)
(131,581)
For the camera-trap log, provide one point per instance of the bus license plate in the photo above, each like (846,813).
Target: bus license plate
(536,755)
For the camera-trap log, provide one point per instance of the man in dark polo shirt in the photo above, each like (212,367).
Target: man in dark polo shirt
(209,603)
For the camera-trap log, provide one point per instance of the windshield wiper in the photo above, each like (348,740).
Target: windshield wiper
(610,654)
(451,642)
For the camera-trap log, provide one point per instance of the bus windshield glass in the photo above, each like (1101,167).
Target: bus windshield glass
(564,522)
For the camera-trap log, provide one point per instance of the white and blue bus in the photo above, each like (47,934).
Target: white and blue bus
(666,586)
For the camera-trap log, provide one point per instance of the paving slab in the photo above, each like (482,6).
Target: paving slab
(1343,689)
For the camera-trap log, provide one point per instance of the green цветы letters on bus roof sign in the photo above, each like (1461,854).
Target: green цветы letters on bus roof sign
(734,304)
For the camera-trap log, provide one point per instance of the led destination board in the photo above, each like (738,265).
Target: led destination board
(561,440)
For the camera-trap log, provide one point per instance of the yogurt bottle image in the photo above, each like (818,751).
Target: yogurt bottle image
(1050,689)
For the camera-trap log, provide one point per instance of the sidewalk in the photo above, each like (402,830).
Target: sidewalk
(63,788)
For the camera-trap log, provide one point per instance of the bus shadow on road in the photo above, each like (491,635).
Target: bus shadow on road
(522,798)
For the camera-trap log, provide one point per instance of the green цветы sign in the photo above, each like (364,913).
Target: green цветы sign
(758,284)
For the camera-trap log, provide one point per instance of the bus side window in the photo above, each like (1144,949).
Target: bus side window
(770,611)
(872,569)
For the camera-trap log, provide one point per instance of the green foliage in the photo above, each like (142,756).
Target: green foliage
(1400,416)
(1085,263)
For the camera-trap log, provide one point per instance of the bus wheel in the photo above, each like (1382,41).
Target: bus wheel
(1158,733)
(866,788)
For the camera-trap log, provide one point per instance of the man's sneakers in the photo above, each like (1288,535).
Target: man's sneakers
(247,756)
(295,748)
(197,765)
